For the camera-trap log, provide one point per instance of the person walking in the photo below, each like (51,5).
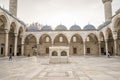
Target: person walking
(10,57)
(108,54)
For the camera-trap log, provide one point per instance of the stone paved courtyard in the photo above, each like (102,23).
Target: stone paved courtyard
(79,68)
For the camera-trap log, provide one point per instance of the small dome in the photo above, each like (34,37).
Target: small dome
(46,28)
(104,24)
(33,27)
(75,28)
(60,28)
(89,27)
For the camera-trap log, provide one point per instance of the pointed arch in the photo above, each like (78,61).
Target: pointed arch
(3,14)
(30,44)
(91,43)
(102,43)
(110,40)
(13,27)
(101,36)
(92,37)
(30,39)
(45,38)
(19,42)
(77,37)
(109,34)
(3,22)
(60,39)
(45,42)
(76,45)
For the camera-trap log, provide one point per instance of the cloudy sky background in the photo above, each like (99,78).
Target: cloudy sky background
(67,12)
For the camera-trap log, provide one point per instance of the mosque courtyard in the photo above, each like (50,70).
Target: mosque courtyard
(79,68)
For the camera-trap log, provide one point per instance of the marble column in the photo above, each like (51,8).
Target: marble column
(22,49)
(15,45)
(84,48)
(115,42)
(6,42)
(37,49)
(115,46)
(106,45)
(99,43)
(0,48)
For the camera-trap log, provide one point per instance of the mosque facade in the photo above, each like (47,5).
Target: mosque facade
(22,40)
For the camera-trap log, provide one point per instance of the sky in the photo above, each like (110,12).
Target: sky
(66,12)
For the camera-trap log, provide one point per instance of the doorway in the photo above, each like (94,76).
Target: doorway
(47,50)
(88,50)
(74,50)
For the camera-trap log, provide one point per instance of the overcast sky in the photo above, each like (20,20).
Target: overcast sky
(66,12)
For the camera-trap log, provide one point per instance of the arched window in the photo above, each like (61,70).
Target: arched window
(54,53)
(63,53)
(47,39)
(74,39)
(61,39)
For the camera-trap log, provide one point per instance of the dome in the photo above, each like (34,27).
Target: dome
(46,28)
(60,28)
(75,28)
(104,24)
(33,27)
(89,27)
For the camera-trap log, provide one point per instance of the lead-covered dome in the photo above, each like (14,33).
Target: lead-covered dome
(46,28)
(60,28)
(75,28)
(33,27)
(89,27)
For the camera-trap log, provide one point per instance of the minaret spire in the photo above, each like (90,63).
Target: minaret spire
(13,7)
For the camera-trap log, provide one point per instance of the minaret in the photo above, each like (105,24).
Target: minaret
(13,7)
(107,9)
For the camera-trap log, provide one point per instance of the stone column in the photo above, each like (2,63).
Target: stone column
(37,48)
(99,43)
(0,48)
(22,49)
(84,48)
(15,45)
(115,46)
(106,44)
(6,42)
(115,41)
(52,42)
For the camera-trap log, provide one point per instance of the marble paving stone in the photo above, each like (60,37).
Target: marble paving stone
(57,74)
(84,78)
(79,68)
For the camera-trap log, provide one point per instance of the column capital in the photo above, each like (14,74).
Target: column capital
(22,43)
(115,32)
(99,42)
(37,42)
(106,40)
(84,41)
(115,39)
(6,31)
(15,34)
